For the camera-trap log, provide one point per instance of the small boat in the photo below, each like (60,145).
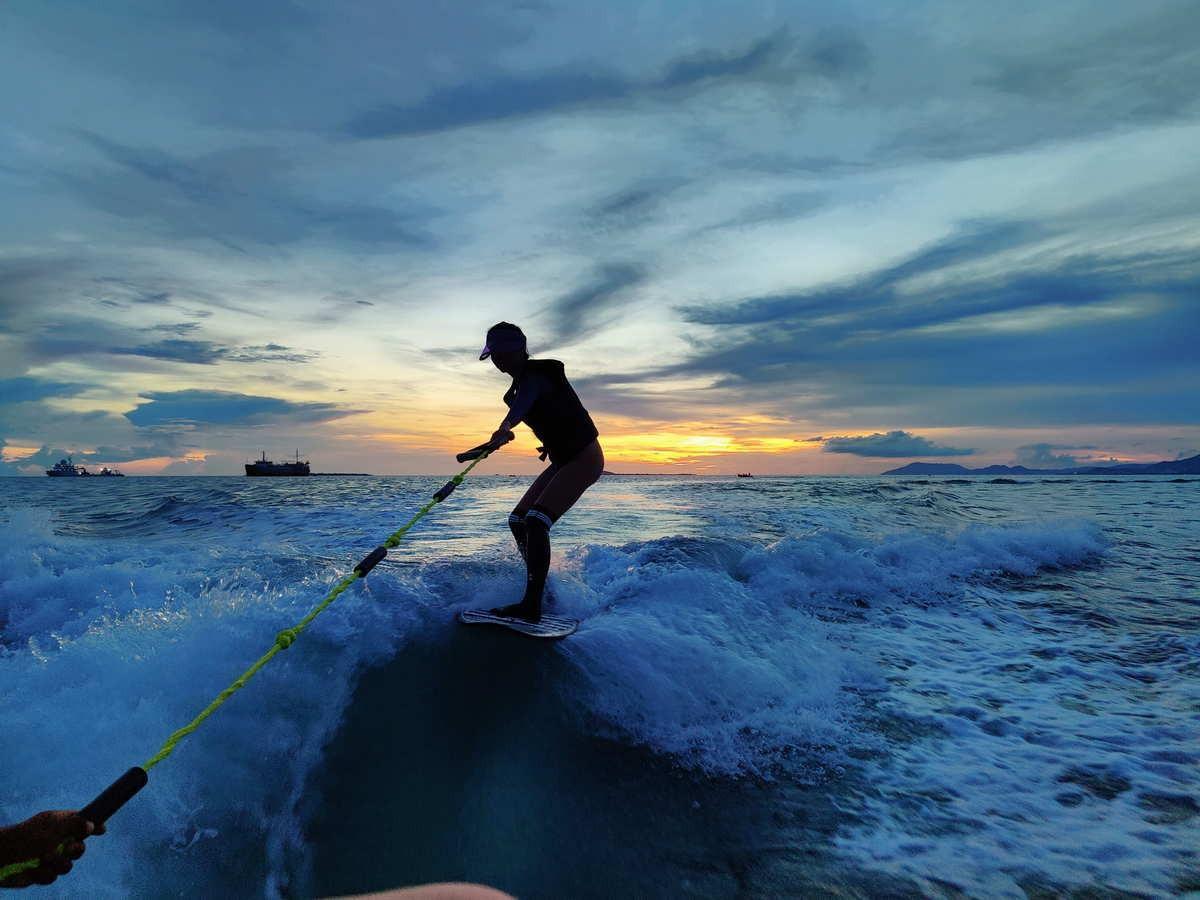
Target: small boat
(265,466)
(106,472)
(744,475)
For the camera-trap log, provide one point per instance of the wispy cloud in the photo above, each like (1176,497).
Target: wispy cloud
(594,303)
(234,196)
(975,342)
(200,407)
(496,96)
(82,339)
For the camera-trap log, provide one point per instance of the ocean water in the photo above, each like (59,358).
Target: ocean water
(780,686)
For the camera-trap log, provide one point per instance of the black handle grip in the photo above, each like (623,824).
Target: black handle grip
(473,453)
(370,561)
(115,795)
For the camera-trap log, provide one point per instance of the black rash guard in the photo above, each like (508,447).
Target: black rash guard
(544,400)
(527,390)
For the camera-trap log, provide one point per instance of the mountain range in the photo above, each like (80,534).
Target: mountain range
(1189,466)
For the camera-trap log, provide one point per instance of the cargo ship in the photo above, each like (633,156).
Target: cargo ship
(65,468)
(264,466)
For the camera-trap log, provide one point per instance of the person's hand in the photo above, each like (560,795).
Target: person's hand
(500,437)
(38,837)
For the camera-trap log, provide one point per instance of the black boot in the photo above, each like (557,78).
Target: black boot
(537,566)
(516,525)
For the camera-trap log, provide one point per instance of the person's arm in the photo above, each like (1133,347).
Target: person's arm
(527,393)
(39,837)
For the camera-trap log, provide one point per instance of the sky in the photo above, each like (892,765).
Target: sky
(768,237)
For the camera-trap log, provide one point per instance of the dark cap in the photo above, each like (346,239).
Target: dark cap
(503,337)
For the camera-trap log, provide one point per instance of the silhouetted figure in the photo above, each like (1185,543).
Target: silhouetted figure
(542,398)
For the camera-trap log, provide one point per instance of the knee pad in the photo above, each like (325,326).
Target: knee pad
(516,524)
(538,517)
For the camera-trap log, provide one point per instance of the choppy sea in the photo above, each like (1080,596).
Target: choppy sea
(780,687)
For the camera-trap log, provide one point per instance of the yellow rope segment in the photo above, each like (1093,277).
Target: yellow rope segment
(283,640)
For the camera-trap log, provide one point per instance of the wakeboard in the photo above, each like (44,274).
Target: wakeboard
(548,627)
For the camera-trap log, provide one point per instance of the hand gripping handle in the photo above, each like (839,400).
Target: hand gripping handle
(473,453)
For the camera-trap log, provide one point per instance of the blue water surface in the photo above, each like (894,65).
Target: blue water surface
(780,686)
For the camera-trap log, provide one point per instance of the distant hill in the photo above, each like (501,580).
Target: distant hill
(1189,466)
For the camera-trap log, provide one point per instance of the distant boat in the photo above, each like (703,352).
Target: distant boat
(744,475)
(65,468)
(264,466)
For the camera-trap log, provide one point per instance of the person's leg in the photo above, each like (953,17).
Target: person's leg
(516,518)
(559,495)
(570,481)
(516,524)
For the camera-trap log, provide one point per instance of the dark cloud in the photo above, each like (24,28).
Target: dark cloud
(199,407)
(489,100)
(1093,340)
(875,292)
(709,65)
(209,353)
(636,200)
(495,96)
(1145,68)
(166,444)
(1042,456)
(892,444)
(178,350)
(785,207)
(161,444)
(270,353)
(583,310)
(82,338)
(123,291)
(23,280)
(177,328)
(28,389)
(232,196)
(43,458)
(1066,83)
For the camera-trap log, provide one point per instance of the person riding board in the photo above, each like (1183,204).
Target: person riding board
(542,398)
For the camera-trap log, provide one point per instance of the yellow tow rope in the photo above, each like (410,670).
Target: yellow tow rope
(132,781)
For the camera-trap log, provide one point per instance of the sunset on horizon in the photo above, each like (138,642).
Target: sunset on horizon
(739,233)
